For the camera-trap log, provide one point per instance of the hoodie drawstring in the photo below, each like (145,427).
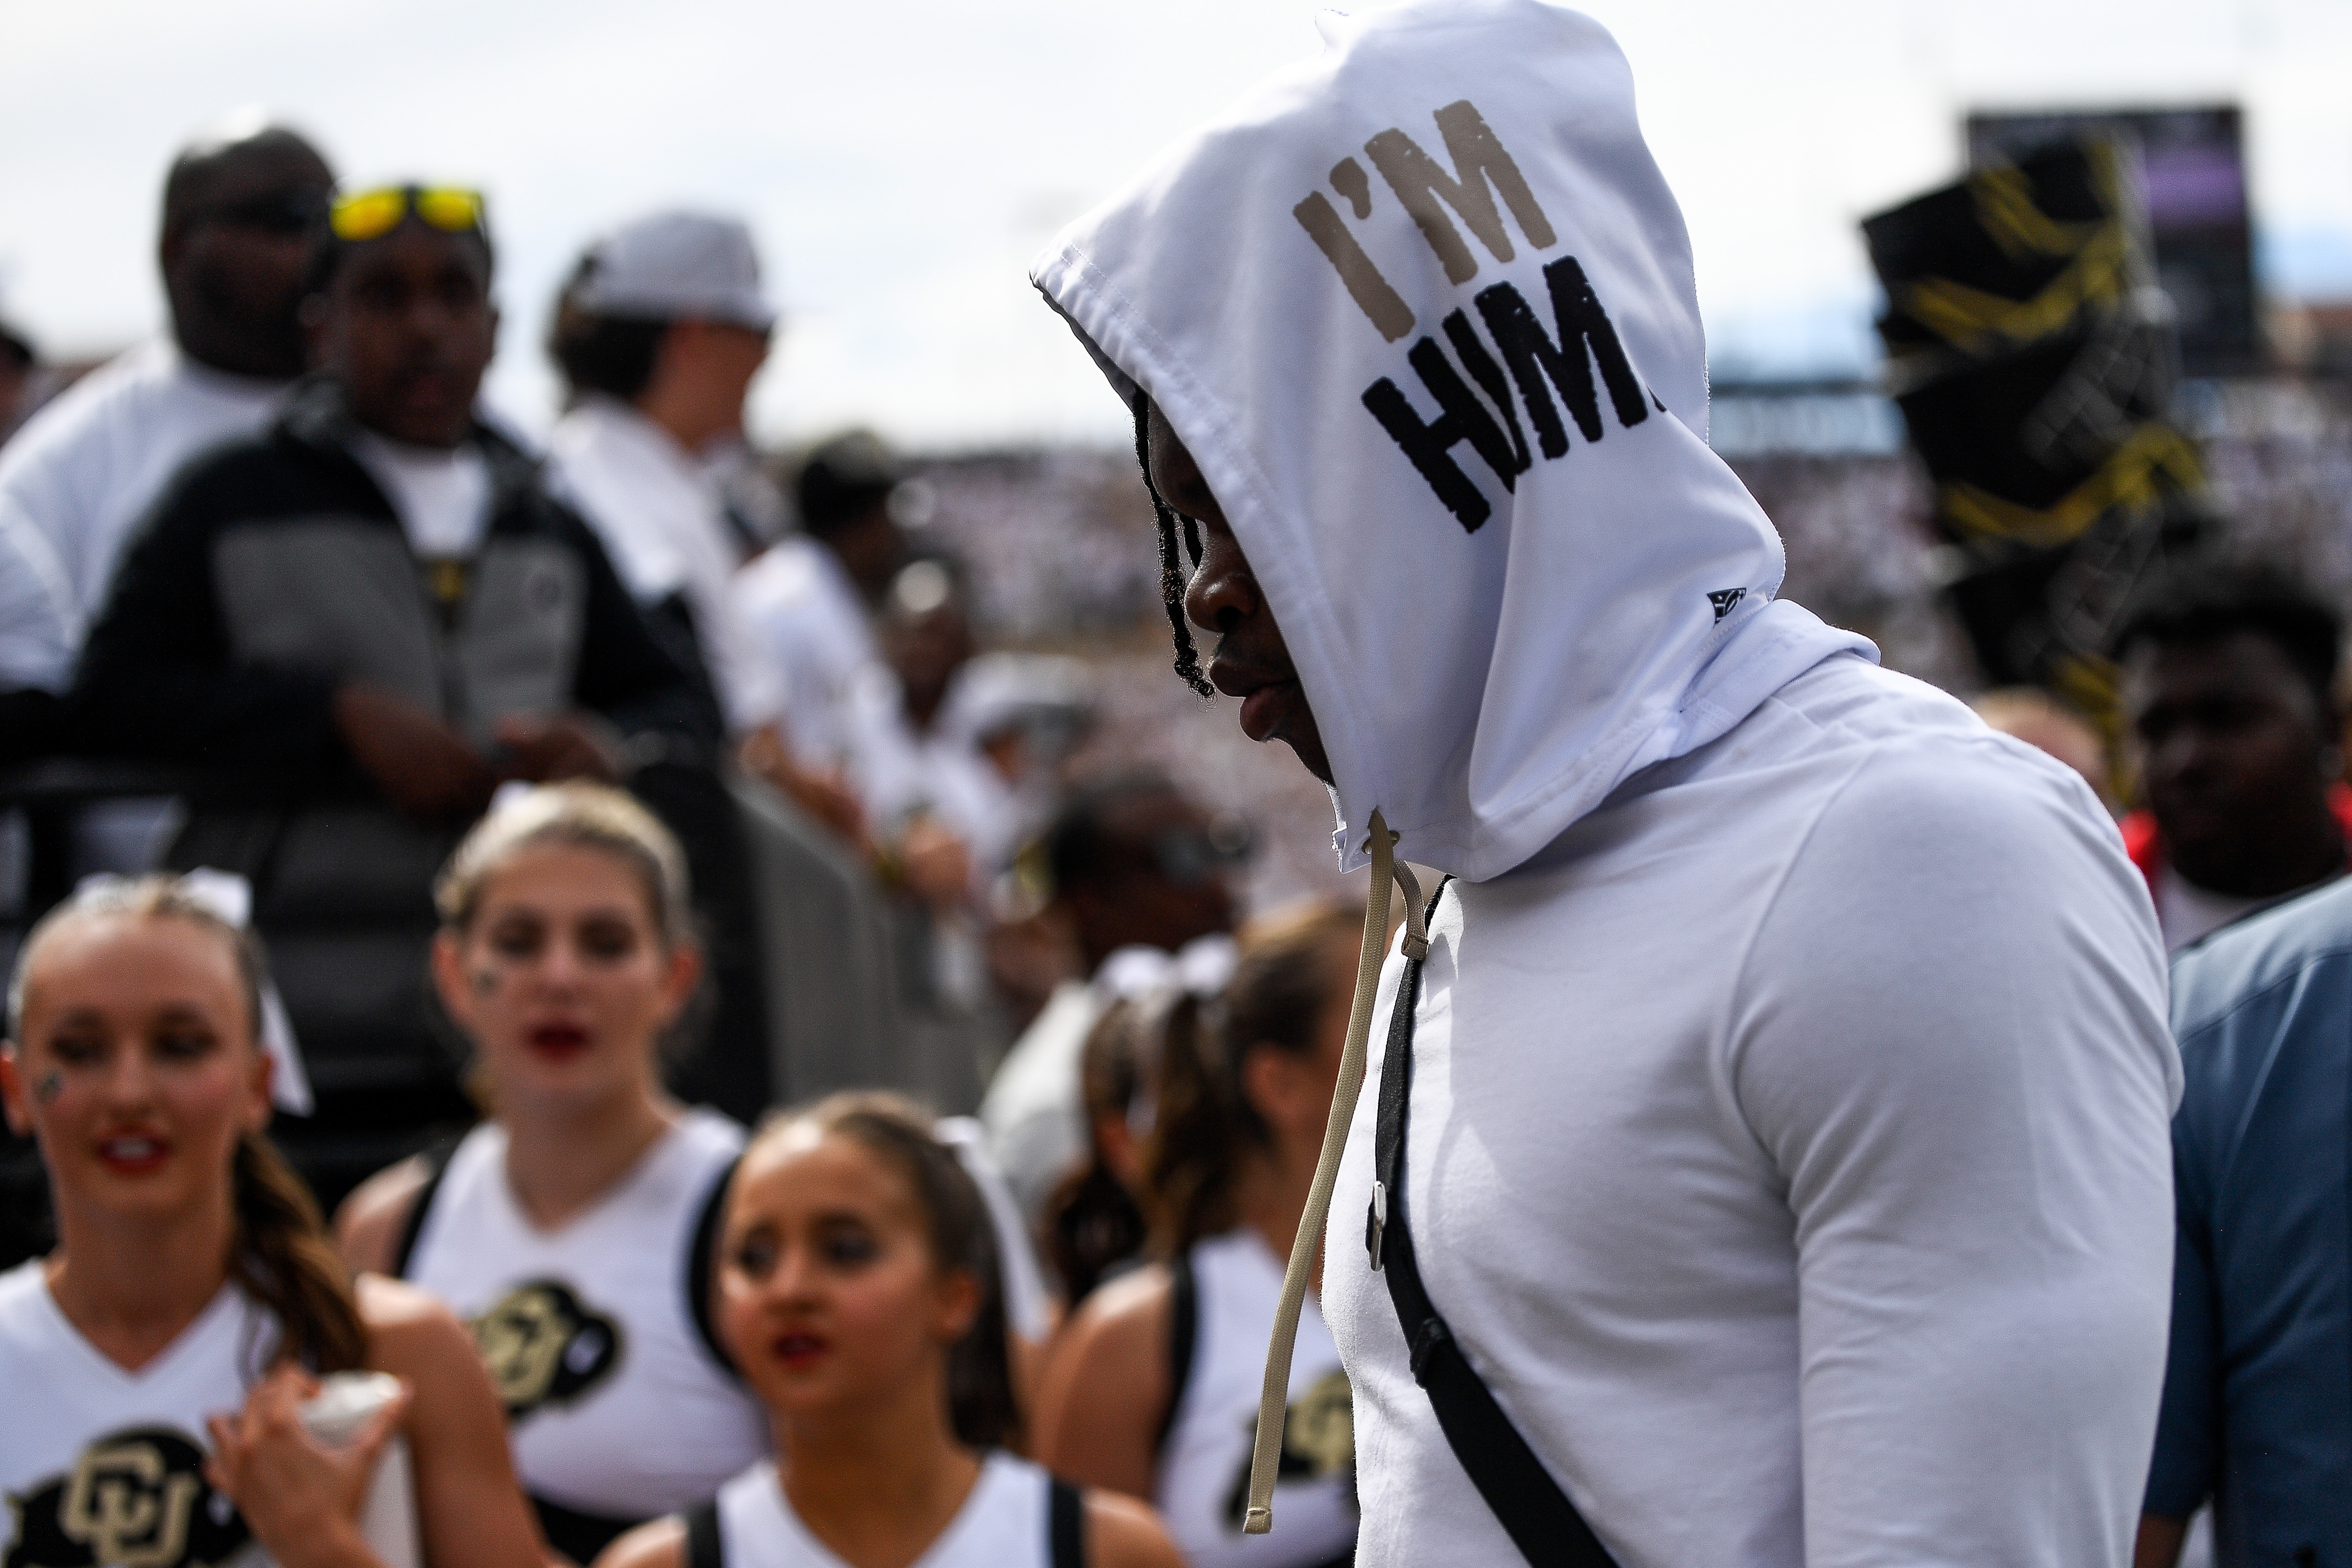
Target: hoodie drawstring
(1273,1399)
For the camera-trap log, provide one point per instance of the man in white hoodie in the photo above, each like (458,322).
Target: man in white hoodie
(1784,1154)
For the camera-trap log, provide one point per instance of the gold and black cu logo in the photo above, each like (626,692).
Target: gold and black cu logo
(135,1498)
(544,1345)
(1319,1440)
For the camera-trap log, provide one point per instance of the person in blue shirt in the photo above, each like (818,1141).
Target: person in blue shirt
(2257,1412)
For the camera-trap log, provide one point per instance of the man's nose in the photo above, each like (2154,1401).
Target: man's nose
(1223,594)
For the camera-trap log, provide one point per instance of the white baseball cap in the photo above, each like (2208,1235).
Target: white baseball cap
(673,264)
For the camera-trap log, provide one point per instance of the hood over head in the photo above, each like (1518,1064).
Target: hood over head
(1421,308)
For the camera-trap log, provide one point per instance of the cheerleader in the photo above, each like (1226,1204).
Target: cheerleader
(573,1229)
(857,1290)
(155,1363)
(1152,1389)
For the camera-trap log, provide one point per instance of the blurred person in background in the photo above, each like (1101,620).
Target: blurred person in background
(659,334)
(1134,862)
(376,587)
(155,1360)
(2042,722)
(1153,1388)
(659,331)
(374,606)
(2229,694)
(19,360)
(239,206)
(2257,1414)
(935,800)
(809,600)
(860,1291)
(573,1229)
(1094,1227)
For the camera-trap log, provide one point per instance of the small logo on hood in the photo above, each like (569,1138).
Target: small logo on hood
(1723,598)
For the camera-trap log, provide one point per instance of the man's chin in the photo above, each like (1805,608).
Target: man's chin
(1309,749)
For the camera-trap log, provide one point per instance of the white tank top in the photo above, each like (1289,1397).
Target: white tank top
(619,1408)
(1203,1487)
(103,1468)
(1003,1524)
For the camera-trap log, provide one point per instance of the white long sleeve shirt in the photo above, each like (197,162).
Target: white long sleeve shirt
(1788,1150)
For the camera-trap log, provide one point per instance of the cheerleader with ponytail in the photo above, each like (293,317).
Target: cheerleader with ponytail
(159,1359)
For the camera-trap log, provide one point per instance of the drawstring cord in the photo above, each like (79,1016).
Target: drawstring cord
(1273,1399)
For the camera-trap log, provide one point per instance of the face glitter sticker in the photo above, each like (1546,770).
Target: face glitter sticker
(51,1084)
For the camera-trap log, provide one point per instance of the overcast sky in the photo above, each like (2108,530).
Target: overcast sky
(901,160)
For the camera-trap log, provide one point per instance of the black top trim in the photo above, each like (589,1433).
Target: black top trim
(436,1157)
(702,1262)
(1065,1525)
(1183,1341)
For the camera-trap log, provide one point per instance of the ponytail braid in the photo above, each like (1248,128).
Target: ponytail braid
(282,1259)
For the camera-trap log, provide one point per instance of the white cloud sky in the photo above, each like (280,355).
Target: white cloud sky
(900,160)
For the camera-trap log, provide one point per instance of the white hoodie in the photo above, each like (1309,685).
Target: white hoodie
(1788,1143)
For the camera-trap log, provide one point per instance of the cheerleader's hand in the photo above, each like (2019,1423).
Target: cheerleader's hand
(300,1496)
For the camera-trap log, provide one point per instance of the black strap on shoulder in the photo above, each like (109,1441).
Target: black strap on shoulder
(578,1536)
(1184,1339)
(1531,1507)
(701,1262)
(705,1548)
(1065,1525)
(436,1160)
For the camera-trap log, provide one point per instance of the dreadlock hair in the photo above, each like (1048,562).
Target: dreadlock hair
(280,1255)
(1171,566)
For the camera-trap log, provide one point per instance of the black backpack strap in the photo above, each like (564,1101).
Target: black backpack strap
(435,1157)
(1531,1507)
(701,1262)
(1065,1525)
(1184,1339)
(705,1548)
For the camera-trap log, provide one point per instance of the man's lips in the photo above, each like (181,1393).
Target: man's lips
(134,1153)
(1266,695)
(1264,710)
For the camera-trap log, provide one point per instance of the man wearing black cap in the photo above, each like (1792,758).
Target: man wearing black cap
(236,206)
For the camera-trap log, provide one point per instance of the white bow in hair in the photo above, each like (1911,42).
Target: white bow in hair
(1202,966)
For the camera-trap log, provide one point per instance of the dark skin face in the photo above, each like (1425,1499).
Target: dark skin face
(869,546)
(2235,750)
(926,651)
(232,250)
(406,326)
(1250,660)
(1132,901)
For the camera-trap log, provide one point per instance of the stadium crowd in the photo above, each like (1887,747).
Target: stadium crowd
(757,1101)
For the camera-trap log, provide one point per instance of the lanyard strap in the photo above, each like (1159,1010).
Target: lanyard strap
(1533,1509)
